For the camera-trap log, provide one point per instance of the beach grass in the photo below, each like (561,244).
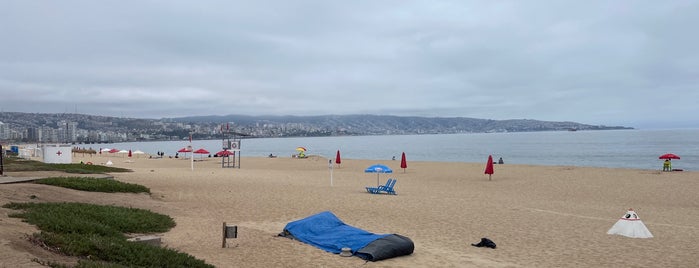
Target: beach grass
(94,185)
(14,164)
(96,234)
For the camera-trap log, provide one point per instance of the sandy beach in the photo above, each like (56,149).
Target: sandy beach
(539,216)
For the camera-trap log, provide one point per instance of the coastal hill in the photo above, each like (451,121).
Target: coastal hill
(67,127)
(391,125)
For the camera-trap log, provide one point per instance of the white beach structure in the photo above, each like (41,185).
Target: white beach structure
(630,225)
(57,153)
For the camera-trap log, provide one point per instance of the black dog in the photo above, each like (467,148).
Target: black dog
(485,242)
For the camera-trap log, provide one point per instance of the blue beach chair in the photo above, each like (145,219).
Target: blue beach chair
(388,187)
(377,190)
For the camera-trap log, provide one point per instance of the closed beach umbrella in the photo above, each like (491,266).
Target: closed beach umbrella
(130,154)
(489,167)
(337,158)
(378,169)
(403,163)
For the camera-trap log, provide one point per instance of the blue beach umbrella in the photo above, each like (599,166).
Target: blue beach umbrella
(378,169)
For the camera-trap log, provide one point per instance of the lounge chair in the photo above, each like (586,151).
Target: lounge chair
(387,188)
(378,189)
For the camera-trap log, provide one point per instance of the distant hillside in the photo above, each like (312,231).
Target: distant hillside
(385,124)
(80,128)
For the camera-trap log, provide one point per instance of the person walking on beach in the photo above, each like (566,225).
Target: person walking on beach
(667,166)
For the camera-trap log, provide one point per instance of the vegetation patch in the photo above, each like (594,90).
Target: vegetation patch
(18,164)
(96,233)
(94,185)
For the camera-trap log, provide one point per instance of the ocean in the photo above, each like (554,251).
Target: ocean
(610,148)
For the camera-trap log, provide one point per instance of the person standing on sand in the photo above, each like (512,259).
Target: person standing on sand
(667,166)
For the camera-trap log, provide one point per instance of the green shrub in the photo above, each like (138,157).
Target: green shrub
(94,185)
(97,232)
(11,164)
(91,219)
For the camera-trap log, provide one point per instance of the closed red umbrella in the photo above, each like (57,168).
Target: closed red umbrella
(130,153)
(403,163)
(669,156)
(489,169)
(338,160)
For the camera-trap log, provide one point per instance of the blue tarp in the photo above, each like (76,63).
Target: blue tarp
(325,231)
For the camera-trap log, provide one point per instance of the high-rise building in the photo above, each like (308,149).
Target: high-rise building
(67,131)
(33,134)
(4,131)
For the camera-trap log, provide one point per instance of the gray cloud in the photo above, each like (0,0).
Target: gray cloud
(599,62)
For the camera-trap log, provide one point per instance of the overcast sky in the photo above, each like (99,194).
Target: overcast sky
(630,63)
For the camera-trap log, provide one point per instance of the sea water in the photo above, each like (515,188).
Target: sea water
(610,148)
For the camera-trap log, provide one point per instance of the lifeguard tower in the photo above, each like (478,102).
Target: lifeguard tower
(231,148)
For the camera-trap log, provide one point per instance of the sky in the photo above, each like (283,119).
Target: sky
(614,63)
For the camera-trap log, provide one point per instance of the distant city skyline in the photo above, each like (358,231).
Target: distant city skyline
(80,128)
(595,62)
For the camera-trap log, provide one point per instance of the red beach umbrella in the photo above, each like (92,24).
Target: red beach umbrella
(489,167)
(201,151)
(338,160)
(225,153)
(669,156)
(130,153)
(185,150)
(403,163)
(114,150)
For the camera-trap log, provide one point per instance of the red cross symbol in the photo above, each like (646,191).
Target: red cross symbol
(59,153)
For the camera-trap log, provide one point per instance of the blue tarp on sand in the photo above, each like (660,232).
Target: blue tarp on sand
(325,231)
